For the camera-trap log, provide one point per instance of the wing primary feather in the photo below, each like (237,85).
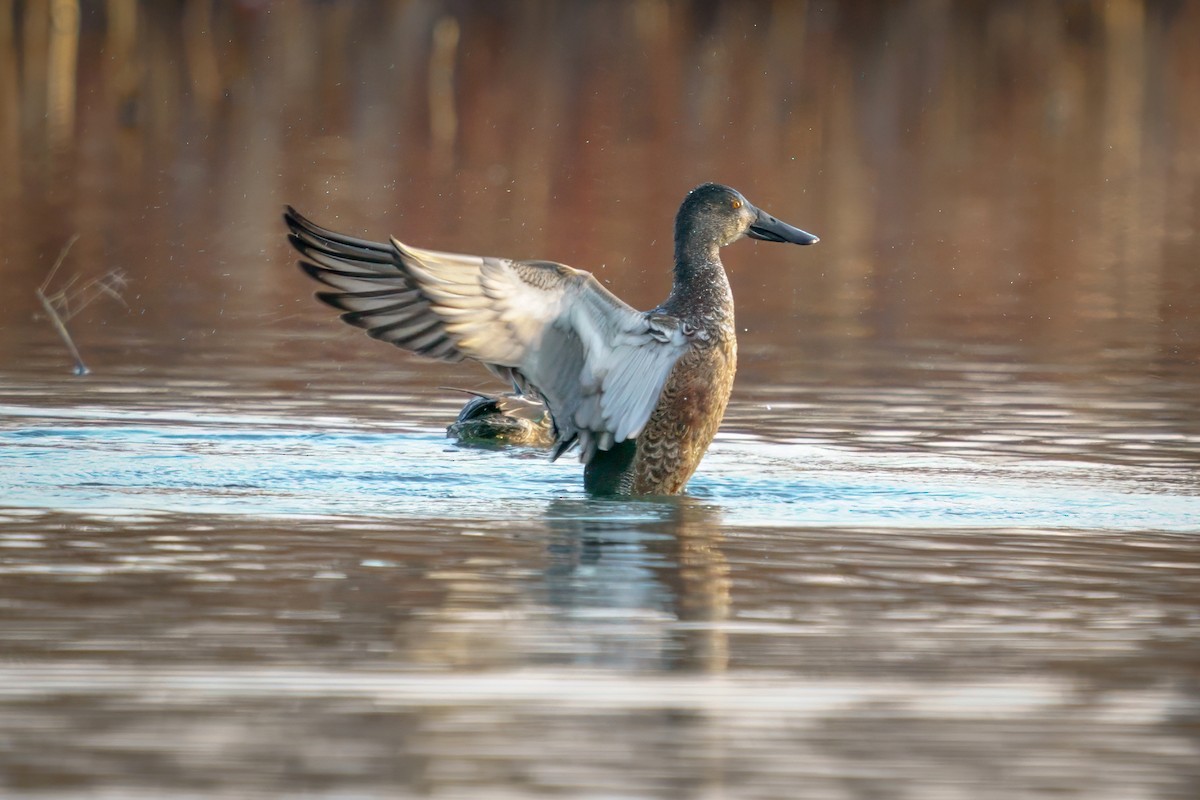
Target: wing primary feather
(371,294)
(444,350)
(342,251)
(298,223)
(354,313)
(318,272)
(427,341)
(407,327)
(334,260)
(342,283)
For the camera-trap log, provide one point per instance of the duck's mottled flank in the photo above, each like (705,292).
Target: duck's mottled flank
(688,414)
(641,394)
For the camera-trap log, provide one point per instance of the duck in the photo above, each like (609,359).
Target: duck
(496,420)
(640,394)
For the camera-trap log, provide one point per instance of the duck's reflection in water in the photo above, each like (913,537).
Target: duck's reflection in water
(650,575)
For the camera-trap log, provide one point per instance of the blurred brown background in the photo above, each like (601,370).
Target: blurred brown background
(1024,175)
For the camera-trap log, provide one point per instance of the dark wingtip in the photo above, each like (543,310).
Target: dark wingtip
(332,299)
(298,223)
(292,218)
(318,274)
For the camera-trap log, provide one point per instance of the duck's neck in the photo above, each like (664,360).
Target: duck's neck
(701,287)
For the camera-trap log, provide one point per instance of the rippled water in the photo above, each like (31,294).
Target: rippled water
(959,443)
(217,587)
(98,460)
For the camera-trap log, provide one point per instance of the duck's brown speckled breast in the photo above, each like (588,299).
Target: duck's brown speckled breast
(687,416)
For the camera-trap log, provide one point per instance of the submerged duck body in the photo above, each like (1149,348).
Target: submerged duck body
(503,419)
(640,393)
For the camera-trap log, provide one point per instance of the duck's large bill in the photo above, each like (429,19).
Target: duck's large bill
(769,229)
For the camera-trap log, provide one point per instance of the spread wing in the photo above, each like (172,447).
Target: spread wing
(599,364)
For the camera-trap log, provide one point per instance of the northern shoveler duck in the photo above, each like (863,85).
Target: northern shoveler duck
(641,393)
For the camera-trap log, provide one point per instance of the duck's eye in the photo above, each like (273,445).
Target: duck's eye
(737,203)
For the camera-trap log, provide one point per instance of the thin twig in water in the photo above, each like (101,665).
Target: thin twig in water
(71,299)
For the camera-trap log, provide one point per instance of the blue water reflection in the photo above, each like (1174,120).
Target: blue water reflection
(276,466)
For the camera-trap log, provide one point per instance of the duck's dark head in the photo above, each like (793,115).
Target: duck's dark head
(713,215)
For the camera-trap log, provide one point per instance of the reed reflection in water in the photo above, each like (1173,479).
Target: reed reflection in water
(1022,173)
